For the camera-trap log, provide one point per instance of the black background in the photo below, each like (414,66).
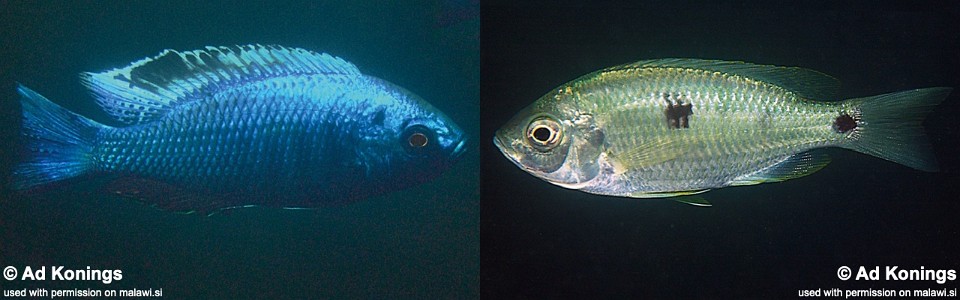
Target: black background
(543,241)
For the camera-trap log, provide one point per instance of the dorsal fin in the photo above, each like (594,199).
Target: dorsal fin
(806,83)
(149,87)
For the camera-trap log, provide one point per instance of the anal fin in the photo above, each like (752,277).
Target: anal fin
(795,166)
(667,194)
(691,197)
(165,196)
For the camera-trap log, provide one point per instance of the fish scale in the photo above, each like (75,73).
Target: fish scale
(228,127)
(731,121)
(673,127)
(204,126)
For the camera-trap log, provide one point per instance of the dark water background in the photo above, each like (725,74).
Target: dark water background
(418,243)
(766,241)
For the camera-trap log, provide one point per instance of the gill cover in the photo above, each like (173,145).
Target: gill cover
(554,140)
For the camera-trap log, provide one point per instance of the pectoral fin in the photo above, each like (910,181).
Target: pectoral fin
(648,154)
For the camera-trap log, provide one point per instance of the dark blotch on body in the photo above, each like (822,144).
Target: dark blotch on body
(844,123)
(677,112)
(378,117)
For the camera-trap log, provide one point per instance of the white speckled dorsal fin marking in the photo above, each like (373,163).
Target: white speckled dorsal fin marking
(806,83)
(795,166)
(149,87)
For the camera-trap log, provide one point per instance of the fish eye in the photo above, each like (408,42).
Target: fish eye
(544,133)
(418,138)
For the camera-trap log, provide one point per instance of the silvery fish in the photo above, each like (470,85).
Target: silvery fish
(225,127)
(675,127)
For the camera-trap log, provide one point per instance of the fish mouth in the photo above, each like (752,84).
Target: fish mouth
(499,144)
(505,151)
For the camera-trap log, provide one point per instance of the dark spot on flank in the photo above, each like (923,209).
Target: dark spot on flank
(677,113)
(844,123)
(378,117)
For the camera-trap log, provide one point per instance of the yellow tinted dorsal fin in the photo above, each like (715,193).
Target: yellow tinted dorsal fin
(806,83)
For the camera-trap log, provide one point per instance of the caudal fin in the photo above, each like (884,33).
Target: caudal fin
(890,126)
(57,143)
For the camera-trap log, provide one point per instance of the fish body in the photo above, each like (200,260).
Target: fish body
(675,127)
(236,126)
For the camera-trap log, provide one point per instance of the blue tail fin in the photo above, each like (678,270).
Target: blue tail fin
(57,142)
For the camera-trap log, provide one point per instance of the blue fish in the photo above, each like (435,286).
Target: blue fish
(238,126)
